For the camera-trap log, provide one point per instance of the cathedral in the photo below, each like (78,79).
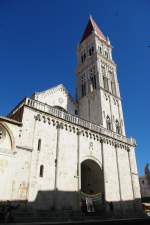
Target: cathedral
(56,150)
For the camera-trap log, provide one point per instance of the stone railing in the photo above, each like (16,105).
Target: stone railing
(76,120)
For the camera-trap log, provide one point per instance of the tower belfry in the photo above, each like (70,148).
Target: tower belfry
(98,92)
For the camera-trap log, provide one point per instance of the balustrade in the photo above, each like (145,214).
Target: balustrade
(78,121)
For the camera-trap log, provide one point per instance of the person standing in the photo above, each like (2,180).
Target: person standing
(83,207)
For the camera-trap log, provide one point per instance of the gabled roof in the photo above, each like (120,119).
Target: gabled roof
(9,120)
(54,89)
(90,27)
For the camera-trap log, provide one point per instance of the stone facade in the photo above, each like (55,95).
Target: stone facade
(145,187)
(50,156)
(145,184)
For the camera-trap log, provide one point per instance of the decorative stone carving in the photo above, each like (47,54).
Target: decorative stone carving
(91,146)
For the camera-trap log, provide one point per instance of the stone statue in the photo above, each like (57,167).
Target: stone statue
(146,169)
(147,173)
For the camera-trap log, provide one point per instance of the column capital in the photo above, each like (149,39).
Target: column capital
(128,149)
(78,132)
(37,117)
(101,140)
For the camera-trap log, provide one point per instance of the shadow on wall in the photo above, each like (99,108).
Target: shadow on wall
(63,205)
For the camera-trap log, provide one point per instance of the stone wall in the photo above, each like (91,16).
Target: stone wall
(64,146)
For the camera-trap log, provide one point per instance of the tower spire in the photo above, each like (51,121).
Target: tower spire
(90,27)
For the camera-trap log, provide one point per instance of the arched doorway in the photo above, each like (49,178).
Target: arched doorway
(92,185)
(92,181)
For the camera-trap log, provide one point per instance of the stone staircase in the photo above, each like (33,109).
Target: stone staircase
(51,216)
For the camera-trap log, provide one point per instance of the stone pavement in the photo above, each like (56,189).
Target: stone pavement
(141,221)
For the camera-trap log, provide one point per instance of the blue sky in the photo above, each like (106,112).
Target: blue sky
(38,41)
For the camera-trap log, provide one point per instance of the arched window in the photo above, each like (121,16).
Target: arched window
(108,123)
(105,83)
(39,144)
(83,89)
(113,87)
(83,86)
(91,50)
(92,78)
(41,170)
(117,127)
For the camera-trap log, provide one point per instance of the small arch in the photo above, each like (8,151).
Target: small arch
(41,171)
(11,136)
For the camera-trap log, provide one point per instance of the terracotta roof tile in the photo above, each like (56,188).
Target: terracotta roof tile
(91,26)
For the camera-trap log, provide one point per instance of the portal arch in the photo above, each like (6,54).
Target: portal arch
(92,180)
(6,135)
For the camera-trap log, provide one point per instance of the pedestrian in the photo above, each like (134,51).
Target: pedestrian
(90,206)
(111,207)
(2,213)
(8,217)
(83,207)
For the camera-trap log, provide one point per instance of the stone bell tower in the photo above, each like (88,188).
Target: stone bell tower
(98,92)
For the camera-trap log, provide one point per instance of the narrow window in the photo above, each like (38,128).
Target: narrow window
(76,112)
(41,170)
(142,181)
(83,88)
(103,71)
(113,85)
(100,49)
(93,82)
(117,127)
(105,82)
(90,52)
(82,58)
(39,144)
(106,54)
(113,88)
(1,134)
(94,78)
(108,123)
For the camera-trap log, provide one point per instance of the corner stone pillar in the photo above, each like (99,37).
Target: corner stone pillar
(135,179)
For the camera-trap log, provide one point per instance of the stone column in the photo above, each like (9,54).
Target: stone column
(78,160)
(56,159)
(32,171)
(58,127)
(119,179)
(132,185)
(78,170)
(103,170)
(135,180)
